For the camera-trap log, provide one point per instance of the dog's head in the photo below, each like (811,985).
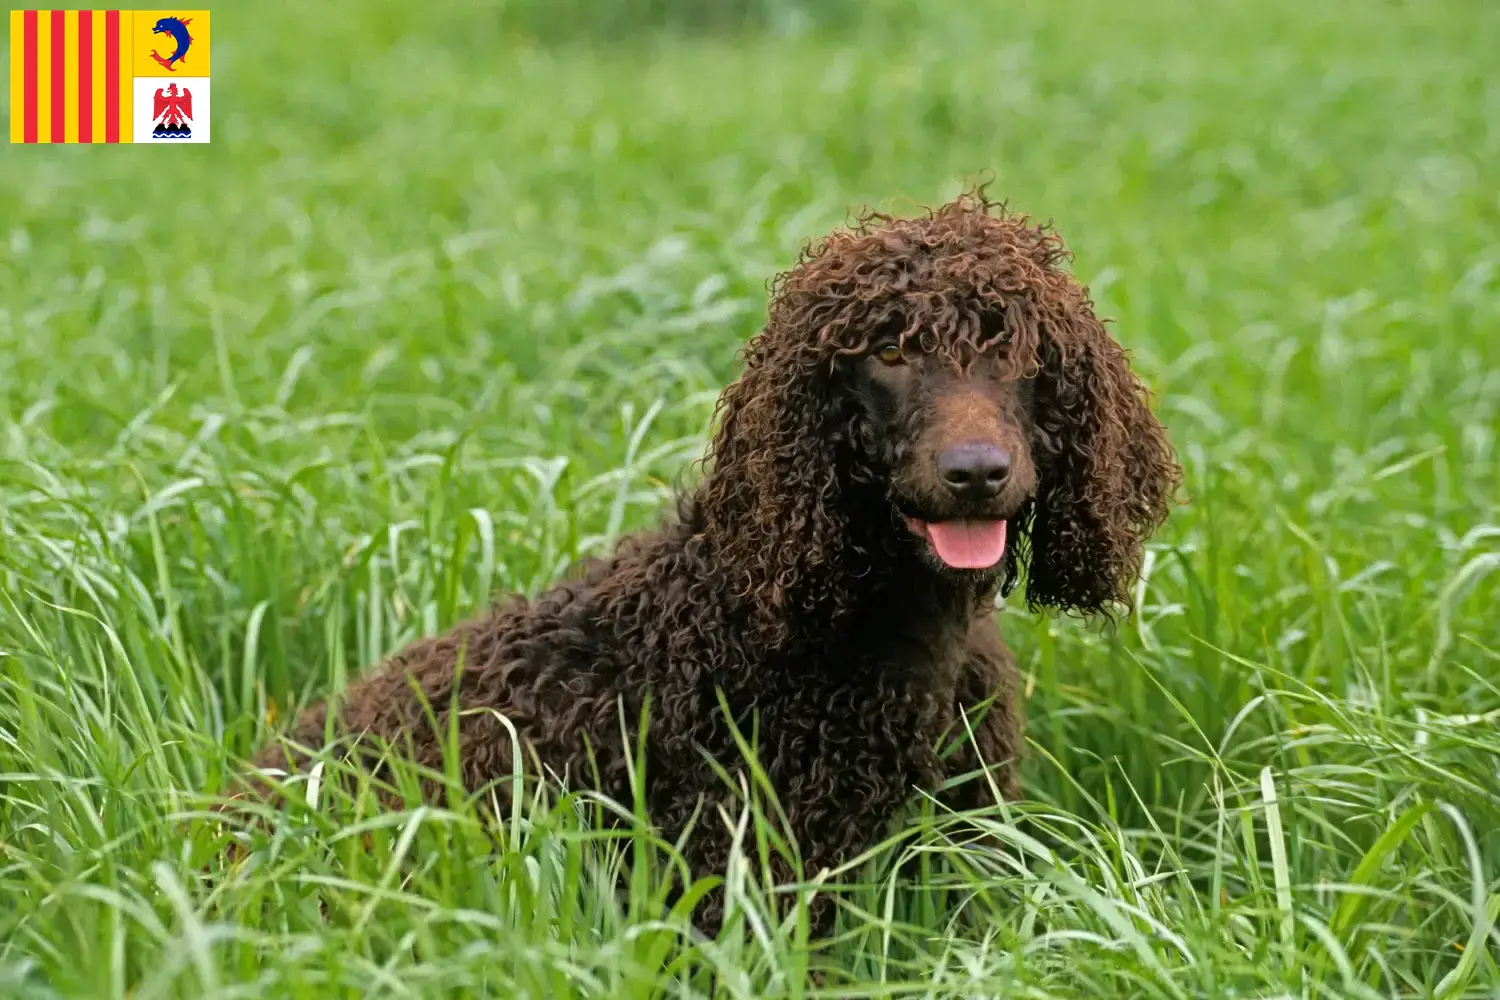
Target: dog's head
(949,434)
(935,394)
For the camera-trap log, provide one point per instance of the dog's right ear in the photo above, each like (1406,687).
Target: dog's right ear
(770,502)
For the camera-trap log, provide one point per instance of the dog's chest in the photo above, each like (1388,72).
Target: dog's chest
(872,709)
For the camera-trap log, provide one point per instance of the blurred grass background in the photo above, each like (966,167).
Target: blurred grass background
(447,302)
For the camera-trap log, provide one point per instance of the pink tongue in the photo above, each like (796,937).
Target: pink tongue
(968,544)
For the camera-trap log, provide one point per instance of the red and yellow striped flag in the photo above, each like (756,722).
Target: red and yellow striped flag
(70,76)
(77,75)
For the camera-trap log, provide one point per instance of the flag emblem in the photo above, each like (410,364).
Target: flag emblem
(173,113)
(109,76)
(177,28)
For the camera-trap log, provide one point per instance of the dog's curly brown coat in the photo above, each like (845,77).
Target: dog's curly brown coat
(785,584)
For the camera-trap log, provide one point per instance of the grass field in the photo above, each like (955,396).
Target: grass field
(447,303)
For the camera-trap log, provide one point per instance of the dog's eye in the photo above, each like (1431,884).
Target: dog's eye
(992,330)
(890,353)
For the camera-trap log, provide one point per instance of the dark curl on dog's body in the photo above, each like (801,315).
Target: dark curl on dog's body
(796,578)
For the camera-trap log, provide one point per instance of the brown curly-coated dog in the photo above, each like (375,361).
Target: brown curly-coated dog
(932,408)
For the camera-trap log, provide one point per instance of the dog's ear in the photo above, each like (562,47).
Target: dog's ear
(771,502)
(1109,476)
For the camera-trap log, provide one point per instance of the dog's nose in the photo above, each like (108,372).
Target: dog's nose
(974,471)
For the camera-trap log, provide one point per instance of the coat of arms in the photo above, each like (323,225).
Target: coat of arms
(173,113)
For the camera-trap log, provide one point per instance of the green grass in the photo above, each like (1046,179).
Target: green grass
(447,303)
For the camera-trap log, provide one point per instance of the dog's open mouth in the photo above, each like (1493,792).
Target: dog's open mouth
(965,543)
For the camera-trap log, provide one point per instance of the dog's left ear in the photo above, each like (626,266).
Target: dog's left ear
(1110,474)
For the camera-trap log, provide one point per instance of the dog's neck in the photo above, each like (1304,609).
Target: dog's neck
(909,588)
(874,581)
(892,593)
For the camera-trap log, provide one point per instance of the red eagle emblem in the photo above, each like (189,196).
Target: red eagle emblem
(173,113)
